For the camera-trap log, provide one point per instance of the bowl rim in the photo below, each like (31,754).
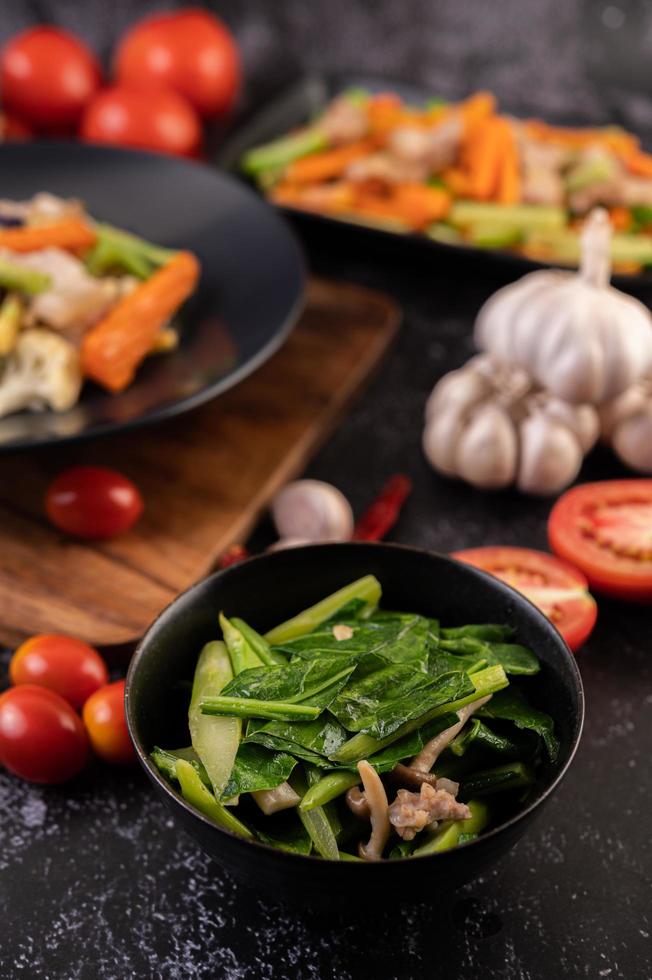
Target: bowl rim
(177,799)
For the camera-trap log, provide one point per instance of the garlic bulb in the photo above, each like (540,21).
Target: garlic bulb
(490,426)
(627,425)
(577,336)
(311,511)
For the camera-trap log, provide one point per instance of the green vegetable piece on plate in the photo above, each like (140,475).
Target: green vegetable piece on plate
(480,735)
(366,588)
(296,840)
(513,657)
(450,834)
(11,316)
(242,654)
(490,235)
(281,152)
(328,788)
(195,793)
(361,746)
(19,279)
(315,821)
(166,760)
(491,632)
(511,706)
(119,251)
(258,644)
(215,740)
(257,768)
(513,775)
(255,708)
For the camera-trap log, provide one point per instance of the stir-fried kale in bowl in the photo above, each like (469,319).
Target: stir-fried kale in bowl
(329,715)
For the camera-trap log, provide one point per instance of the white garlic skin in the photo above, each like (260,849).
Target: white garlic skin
(627,425)
(283,543)
(487,449)
(312,511)
(550,458)
(580,338)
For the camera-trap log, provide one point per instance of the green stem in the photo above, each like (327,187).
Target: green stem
(514,775)
(11,314)
(202,799)
(279,153)
(367,588)
(448,835)
(328,788)
(243,657)
(361,746)
(21,279)
(315,821)
(259,645)
(253,708)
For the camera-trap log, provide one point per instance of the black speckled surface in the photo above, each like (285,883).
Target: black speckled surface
(96,883)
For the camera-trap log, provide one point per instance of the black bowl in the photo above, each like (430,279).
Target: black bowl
(248,299)
(269,589)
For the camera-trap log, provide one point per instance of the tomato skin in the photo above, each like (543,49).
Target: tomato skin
(63,664)
(153,119)
(557,588)
(190,51)
(47,77)
(605,529)
(93,502)
(106,724)
(14,128)
(41,738)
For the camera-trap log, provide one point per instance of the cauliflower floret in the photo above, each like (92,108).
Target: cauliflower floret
(42,372)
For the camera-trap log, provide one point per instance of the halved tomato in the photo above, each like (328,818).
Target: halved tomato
(605,529)
(559,590)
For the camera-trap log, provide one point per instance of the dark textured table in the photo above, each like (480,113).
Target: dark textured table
(97,882)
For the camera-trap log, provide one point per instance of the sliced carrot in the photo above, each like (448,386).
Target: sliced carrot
(483,151)
(71,234)
(328,198)
(639,163)
(618,140)
(415,205)
(384,112)
(621,218)
(509,178)
(457,180)
(479,106)
(112,350)
(327,165)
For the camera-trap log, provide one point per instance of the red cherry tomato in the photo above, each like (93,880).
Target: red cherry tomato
(63,664)
(93,502)
(104,717)
(605,529)
(14,128)
(558,589)
(190,51)
(41,737)
(154,119)
(47,77)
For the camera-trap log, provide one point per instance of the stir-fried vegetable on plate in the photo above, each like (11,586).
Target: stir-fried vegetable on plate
(350,731)
(463,173)
(79,300)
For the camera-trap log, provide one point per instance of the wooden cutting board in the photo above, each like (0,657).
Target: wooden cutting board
(205,477)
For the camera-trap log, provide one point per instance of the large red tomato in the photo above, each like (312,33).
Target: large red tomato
(41,737)
(153,119)
(558,589)
(63,664)
(190,51)
(605,529)
(93,502)
(47,77)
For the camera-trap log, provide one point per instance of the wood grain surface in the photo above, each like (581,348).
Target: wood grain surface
(205,477)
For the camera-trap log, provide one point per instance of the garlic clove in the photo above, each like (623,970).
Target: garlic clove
(582,420)
(462,388)
(631,402)
(487,449)
(440,438)
(313,511)
(550,458)
(632,440)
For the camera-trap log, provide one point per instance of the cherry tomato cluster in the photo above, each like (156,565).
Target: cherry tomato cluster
(42,737)
(169,71)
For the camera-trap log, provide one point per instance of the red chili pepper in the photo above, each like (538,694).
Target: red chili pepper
(385,510)
(234,554)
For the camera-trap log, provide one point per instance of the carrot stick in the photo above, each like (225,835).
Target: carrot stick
(509,178)
(483,153)
(327,165)
(621,218)
(415,205)
(479,106)
(639,163)
(71,234)
(112,350)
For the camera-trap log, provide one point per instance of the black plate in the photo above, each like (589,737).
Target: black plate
(305,99)
(249,297)
(268,589)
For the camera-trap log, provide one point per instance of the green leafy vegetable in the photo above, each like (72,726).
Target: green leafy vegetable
(511,706)
(199,796)
(243,656)
(258,644)
(513,775)
(368,589)
(215,740)
(256,768)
